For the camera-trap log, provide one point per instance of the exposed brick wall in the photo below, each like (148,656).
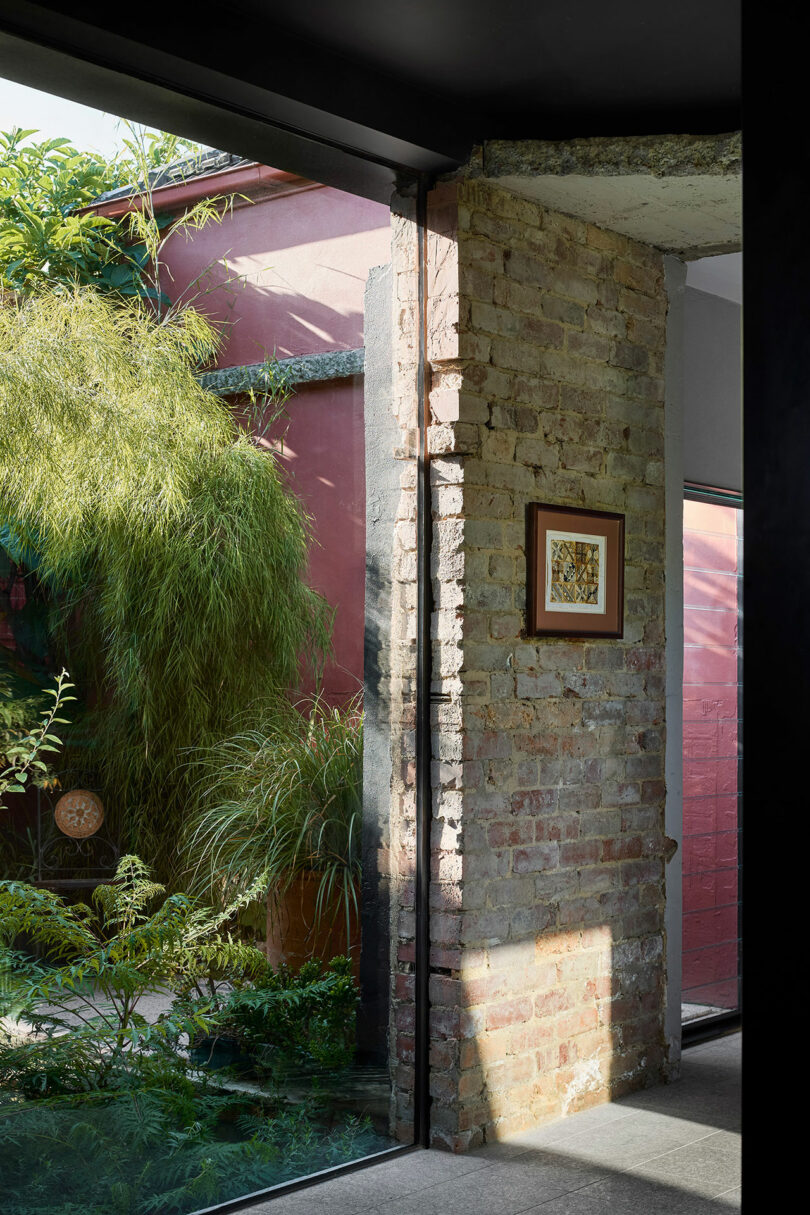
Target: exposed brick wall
(545,345)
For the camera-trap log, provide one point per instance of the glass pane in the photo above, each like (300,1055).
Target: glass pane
(226,622)
(712,707)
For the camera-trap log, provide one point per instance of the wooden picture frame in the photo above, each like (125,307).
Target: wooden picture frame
(575,572)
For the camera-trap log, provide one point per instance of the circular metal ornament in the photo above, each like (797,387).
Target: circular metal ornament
(79,813)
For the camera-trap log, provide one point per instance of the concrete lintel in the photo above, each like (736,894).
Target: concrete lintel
(617,156)
(302,369)
(680,193)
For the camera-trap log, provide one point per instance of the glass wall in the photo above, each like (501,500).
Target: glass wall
(199,906)
(712,788)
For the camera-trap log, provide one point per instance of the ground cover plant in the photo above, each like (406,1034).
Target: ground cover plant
(158,1153)
(85,1075)
(95,966)
(286,1022)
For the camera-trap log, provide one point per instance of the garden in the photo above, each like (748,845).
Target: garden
(180,805)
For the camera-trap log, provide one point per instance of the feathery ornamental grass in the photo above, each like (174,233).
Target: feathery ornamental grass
(175,552)
(280,799)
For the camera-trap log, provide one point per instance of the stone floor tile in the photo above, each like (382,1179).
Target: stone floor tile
(731,1199)
(621,1145)
(624,1194)
(708,1167)
(499,1189)
(391,1179)
(578,1124)
(299,1203)
(671,1150)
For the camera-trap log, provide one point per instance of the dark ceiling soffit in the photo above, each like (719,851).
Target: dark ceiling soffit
(209,106)
(224,56)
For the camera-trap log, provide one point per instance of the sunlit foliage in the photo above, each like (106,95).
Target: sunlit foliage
(175,553)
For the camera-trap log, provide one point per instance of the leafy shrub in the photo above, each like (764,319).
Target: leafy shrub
(100,1110)
(294,1020)
(44,237)
(22,744)
(83,1001)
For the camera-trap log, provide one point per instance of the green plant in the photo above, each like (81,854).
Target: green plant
(281,800)
(289,1021)
(157,1152)
(98,1081)
(143,233)
(299,1019)
(85,1077)
(21,744)
(162,529)
(100,963)
(41,236)
(45,239)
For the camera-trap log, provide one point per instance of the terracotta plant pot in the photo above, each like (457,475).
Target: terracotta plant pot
(292,934)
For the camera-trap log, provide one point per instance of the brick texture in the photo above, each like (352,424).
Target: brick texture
(545,344)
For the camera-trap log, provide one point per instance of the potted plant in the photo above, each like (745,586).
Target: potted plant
(282,806)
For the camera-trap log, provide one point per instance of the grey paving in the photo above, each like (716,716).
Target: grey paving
(669,1150)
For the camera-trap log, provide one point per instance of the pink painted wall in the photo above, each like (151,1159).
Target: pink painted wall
(710,758)
(306,253)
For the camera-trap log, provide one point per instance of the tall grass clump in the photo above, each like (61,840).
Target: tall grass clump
(175,553)
(279,800)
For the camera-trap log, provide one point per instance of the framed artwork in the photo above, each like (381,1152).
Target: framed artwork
(575,571)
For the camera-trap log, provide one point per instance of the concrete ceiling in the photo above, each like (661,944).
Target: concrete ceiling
(681,193)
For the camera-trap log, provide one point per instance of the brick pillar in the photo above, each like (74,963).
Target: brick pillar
(545,348)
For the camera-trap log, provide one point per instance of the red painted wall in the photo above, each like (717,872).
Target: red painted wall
(306,253)
(712,536)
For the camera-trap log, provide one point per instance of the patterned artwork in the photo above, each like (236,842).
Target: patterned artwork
(79,813)
(574,571)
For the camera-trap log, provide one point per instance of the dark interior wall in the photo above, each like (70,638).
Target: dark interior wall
(776,580)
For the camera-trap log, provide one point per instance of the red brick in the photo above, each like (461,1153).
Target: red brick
(622,849)
(537,859)
(578,1022)
(551,1002)
(534,801)
(510,1012)
(501,835)
(560,827)
(580,852)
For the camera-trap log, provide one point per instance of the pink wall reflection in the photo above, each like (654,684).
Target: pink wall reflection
(712,573)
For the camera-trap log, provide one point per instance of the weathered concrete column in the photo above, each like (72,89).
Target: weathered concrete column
(382,500)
